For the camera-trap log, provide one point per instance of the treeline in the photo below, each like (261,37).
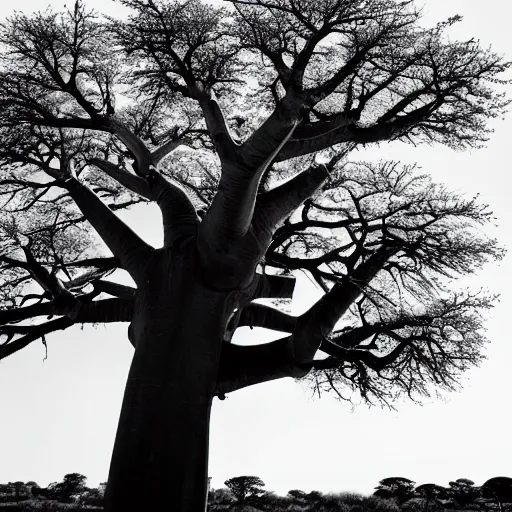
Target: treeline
(394,494)
(247,494)
(71,494)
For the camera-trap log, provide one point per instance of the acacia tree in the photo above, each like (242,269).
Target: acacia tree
(500,489)
(239,122)
(432,494)
(397,487)
(464,492)
(244,488)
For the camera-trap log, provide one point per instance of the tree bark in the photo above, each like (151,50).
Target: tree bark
(160,457)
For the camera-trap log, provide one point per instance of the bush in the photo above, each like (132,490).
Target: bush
(10,507)
(44,506)
(376,504)
(347,498)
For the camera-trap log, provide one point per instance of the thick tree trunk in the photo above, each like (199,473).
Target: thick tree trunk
(160,457)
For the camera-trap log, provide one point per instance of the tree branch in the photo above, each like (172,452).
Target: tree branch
(102,311)
(260,315)
(135,145)
(24,313)
(318,322)
(115,289)
(374,362)
(320,135)
(133,183)
(178,213)
(104,263)
(274,133)
(274,287)
(277,204)
(164,150)
(232,209)
(128,247)
(36,333)
(216,124)
(242,366)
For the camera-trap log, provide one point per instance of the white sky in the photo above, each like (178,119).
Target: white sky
(60,416)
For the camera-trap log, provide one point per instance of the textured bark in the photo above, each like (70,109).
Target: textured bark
(160,456)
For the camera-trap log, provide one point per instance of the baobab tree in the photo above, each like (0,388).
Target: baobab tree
(240,123)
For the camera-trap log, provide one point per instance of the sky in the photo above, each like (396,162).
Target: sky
(60,415)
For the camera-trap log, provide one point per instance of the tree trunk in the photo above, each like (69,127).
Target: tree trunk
(160,457)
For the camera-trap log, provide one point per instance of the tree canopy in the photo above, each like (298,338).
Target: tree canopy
(251,112)
(244,488)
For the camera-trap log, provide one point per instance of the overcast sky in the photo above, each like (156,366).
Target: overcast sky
(60,415)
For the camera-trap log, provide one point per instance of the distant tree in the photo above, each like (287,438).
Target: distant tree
(431,494)
(244,488)
(463,492)
(19,490)
(314,496)
(31,485)
(376,504)
(47,492)
(92,496)
(237,120)
(297,494)
(399,488)
(270,501)
(220,496)
(71,487)
(500,489)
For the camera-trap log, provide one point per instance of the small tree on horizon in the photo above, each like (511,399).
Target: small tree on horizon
(431,494)
(498,488)
(240,124)
(399,488)
(71,487)
(245,488)
(464,492)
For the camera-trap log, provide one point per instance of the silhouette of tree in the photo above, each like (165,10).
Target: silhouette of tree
(500,489)
(431,494)
(376,504)
(223,117)
(399,488)
(297,494)
(92,496)
(245,489)
(219,497)
(19,490)
(71,487)
(464,492)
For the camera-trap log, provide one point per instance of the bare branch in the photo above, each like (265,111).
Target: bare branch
(274,286)
(232,209)
(115,289)
(105,311)
(179,214)
(164,150)
(259,315)
(274,206)
(318,322)
(108,310)
(374,362)
(130,181)
(135,145)
(37,332)
(129,248)
(216,124)
(242,366)
(25,313)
